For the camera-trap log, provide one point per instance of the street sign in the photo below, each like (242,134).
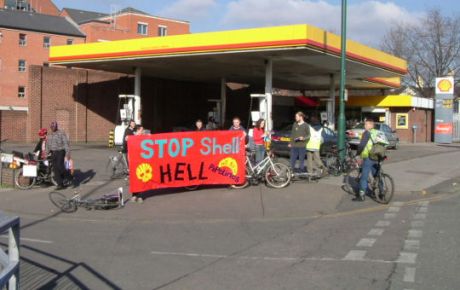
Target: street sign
(443,125)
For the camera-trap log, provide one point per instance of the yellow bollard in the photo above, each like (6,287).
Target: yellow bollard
(111,139)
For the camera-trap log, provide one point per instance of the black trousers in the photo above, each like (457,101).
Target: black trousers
(59,166)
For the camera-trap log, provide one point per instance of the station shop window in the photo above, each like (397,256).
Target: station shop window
(21,92)
(69,41)
(22,65)
(22,39)
(46,41)
(142,28)
(162,30)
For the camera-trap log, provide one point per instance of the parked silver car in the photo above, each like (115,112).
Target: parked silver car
(354,134)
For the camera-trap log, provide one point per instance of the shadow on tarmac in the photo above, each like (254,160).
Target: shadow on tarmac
(34,275)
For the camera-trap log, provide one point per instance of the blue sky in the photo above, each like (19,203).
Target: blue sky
(368,19)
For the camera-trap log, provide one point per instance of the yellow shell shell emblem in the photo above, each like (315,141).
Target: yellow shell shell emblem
(144,172)
(230,163)
(444,85)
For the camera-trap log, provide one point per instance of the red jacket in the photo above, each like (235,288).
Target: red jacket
(258,136)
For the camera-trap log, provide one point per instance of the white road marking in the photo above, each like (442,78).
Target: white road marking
(30,240)
(411,245)
(420,216)
(422,209)
(409,275)
(424,203)
(415,234)
(375,232)
(397,203)
(394,209)
(406,258)
(366,243)
(382,223)
(355,255)
(417,224)
(352,256)
(389,215)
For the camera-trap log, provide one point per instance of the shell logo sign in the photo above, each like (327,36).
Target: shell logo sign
(445,86)
(144,172)
(229,163)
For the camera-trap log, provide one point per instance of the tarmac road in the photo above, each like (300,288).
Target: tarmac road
(307,236)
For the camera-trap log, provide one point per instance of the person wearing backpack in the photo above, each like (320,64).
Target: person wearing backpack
(370,148)
(314,146)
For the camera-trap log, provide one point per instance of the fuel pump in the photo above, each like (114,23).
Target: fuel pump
(129,107)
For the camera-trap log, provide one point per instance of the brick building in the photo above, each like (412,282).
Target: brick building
(38,6)
(124,24)
(25,38)
(27,30)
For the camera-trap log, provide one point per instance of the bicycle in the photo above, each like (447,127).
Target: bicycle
(335,165)
(118,166)
(276,175)
(105,202)
(381,185)
(44,174)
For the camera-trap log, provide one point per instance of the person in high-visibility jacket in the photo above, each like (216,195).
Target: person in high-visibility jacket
(314,146)
(368,165)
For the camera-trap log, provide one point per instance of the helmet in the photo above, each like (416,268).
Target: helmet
(42,133)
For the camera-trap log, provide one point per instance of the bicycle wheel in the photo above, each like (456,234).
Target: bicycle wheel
(23,182)
(278,175)
(62,202)
(385,188)
(351,181)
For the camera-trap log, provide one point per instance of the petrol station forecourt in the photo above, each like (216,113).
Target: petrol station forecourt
(295,57)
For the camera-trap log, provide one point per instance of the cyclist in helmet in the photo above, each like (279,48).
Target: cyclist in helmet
(40,149)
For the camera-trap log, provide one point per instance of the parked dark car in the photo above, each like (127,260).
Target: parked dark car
(281,139)
(354,134)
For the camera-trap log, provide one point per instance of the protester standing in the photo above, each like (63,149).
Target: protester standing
(199,126)
(58,147)
(299,136)
(314,147)
(259,135)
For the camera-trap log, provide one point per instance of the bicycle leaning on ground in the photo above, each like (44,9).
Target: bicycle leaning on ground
(274,174)
(381,185)
(68,205)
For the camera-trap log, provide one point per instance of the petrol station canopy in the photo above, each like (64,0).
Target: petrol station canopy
(304,57)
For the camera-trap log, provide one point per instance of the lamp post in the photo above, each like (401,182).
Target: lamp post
(343,74)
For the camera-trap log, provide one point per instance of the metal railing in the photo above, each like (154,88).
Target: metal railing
(9,275)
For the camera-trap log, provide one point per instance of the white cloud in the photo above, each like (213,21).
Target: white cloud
(188,9)
(367,21)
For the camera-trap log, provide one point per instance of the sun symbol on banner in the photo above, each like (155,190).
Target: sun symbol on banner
(230,163)
(444,85)
(144,172)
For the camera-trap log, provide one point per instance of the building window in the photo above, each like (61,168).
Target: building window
(21,92)
(46,42)
(22,39)
(142,28)
(69,41)
(22,65)
(162,30)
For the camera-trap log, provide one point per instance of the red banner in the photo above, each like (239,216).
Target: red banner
(185,159)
